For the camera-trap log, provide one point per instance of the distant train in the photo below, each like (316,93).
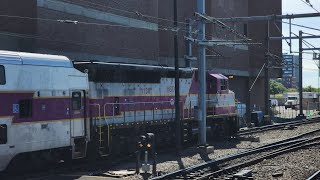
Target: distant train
(53,108)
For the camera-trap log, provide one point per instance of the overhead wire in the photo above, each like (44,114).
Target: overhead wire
(307,2)
(139,14)
(100,45)
(128,11)
(308,45)
(135,13)
(166,28)
(299,25)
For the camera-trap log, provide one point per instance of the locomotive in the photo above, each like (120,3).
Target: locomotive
(52,107)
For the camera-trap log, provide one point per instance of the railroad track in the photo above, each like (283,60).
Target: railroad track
(315,176)
(277,126)
(220,167)
(97,168)
(93,168)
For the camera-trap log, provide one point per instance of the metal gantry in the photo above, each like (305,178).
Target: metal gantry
(201,41)
(300,37)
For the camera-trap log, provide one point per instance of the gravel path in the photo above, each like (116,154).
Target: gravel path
(295,165)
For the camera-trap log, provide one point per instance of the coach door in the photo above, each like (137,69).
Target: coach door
(77,113)
(78,127)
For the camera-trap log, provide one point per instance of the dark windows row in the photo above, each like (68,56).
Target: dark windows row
(128,74)
(25,106)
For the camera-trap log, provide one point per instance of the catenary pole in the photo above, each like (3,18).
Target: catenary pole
(188,43)
(301,115)
(177,76)
(201,76)
(266,75)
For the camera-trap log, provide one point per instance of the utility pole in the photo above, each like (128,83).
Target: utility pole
(188,43)
(177,76)
(266,73)
(202,109)
(301,49)
(301,115)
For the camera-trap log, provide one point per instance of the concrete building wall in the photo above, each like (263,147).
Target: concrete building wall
(258,32)
(10,25)
(140,39)
(102,36)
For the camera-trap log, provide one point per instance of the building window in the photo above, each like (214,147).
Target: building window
(3,134)
(2,75)
(25,110)
(76,100)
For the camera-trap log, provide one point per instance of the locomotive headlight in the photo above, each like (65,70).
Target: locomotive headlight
(149,145)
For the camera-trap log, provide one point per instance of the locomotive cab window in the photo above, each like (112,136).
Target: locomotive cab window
(212,85)
(224,84)
(3,134)
(76,100)
(2,75)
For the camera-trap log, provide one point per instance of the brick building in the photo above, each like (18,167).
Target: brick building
(138,32)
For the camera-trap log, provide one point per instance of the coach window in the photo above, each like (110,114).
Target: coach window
(2,75)
(3,134)
(76,100)
(25,110)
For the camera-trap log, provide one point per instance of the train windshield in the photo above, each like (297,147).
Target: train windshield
(2,75)
(224,84)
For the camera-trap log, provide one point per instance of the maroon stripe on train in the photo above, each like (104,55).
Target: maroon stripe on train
(45,109)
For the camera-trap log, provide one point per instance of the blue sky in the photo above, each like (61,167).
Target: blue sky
(310,69)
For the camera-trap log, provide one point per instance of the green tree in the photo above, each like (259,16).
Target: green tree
(309,89)
(292,90)
(276,87)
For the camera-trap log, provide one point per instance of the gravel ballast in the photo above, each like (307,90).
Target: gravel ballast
(191,156)
(170,162)
(300,164)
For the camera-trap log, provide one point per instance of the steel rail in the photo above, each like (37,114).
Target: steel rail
(315,176)
(232,168)
(214,163)
(277,126)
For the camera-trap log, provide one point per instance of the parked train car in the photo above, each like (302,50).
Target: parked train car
(43,108)
(52,108)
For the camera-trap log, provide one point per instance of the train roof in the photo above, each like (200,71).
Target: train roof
(112,65)
(129,73)
(22,58)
